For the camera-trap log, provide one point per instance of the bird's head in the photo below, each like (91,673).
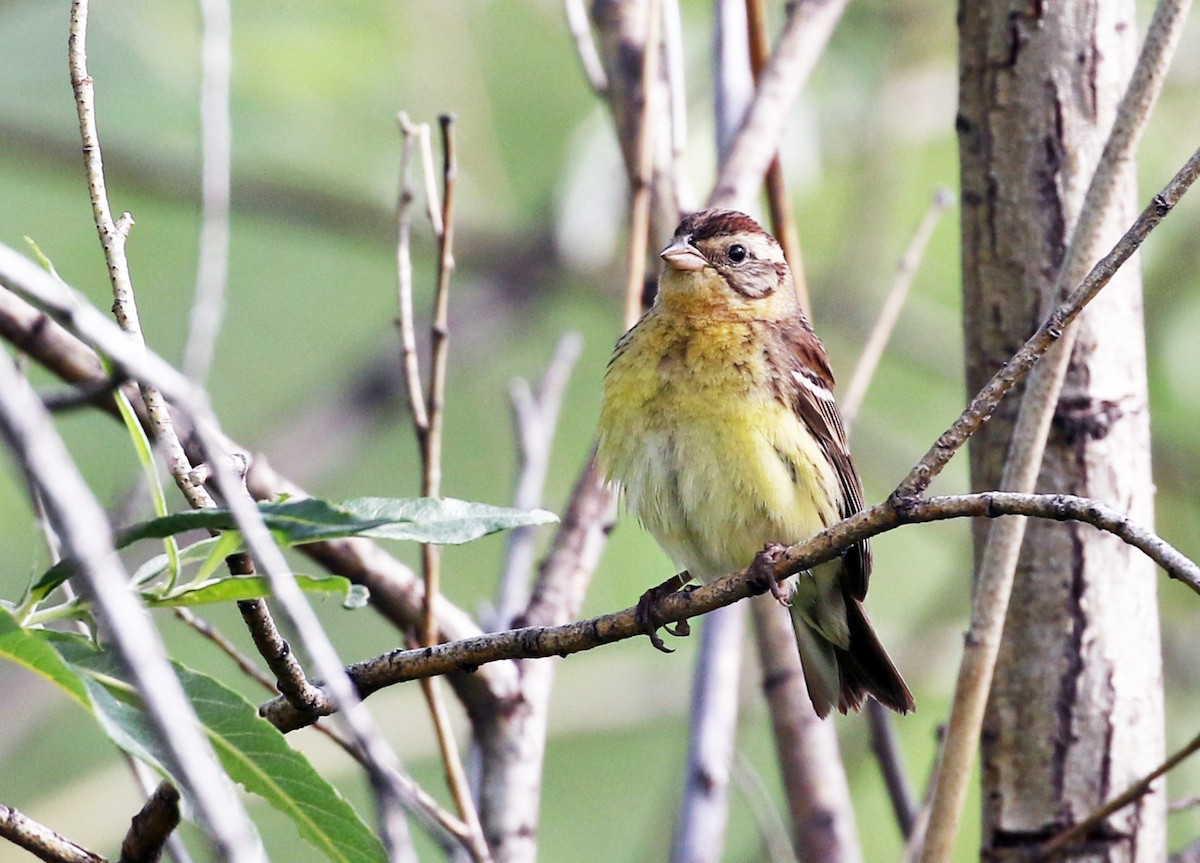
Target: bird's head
(721,263)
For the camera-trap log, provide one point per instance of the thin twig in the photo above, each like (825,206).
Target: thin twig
(404,281)
(535,419)
(538,641)
(1061,843)
(585,46)
(212,272)
(277,653)
(885,323)
(767,817)
(810,24)
(428,422)
(1015,370)
(112,239)
(783,226)
(152,827)
(891,764)
(643,176)
(681,197)
(41,841)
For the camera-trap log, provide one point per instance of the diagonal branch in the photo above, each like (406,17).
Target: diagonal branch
(543,641)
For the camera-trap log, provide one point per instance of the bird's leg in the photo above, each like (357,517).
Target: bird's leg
(647,614)
(762,571)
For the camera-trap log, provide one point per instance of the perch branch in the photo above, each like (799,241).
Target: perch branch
(542,641)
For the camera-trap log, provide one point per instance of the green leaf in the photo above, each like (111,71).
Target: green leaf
(444,521)
(234,588)
(32,650)
(256,754)
(252,751)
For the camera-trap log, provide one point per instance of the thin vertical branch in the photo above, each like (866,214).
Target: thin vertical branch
(814,778)
(889,313)
(712,732)
(428,412)
(535,419)
(810,24)
(585,46)
(212,271)
(895,777)
(680,198)
(783,226)
(411,136)
(639,210)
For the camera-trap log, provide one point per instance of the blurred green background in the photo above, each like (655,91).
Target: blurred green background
(311,304)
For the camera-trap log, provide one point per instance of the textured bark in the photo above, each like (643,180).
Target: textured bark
(1076,705)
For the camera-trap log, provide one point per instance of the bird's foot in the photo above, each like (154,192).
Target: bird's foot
(762,571)
(650,620)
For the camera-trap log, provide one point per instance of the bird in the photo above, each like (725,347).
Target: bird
(719,423)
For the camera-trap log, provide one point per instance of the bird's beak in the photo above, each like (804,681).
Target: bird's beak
(682,255)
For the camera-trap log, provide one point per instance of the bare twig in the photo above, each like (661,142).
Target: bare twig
(428,412)
(885,323)
(713,714)
(212,272)
(1060,844)
(810,761)
(585,46)
(771,829)
(112,240)
(809,26)
(1015,370)
(643,175)
(783,226)
(538,641)
(277,653)
(404,282)
(152,826)
(535,418)
(41,841)
(891,765)
(682,199)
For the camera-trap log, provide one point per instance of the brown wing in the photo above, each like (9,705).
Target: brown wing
(807,387)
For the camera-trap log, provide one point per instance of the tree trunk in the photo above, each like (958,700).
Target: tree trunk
(1076,705)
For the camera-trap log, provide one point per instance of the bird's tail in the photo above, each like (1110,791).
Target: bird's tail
(844,677)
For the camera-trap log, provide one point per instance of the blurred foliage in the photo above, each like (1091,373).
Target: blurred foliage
(316,88)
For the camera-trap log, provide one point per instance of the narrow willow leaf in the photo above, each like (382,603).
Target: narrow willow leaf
(444,521)
(31,649)
(251,750)
(235,588)
(145,454)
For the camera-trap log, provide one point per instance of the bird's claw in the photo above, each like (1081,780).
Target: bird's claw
(650,621)
(762,571)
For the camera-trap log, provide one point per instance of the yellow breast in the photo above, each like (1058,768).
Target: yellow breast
(712,460)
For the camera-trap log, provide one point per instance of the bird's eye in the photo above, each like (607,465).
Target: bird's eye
(737,253)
